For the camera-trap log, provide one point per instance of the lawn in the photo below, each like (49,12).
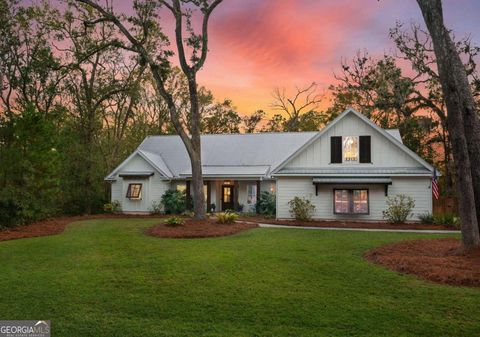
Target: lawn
(106,278)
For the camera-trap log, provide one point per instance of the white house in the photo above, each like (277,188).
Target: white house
(347,170)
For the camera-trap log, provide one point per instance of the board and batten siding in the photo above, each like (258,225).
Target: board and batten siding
(152,187)
(418,188)
(384,153)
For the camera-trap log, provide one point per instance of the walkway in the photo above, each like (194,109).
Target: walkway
(426,231)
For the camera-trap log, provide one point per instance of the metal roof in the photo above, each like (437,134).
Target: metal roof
(352,180)
(254,153)
(234,171)
(395,133)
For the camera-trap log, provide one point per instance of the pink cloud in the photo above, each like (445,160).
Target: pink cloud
(279,43)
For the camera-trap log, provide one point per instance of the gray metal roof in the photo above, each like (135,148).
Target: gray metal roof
(352,180)
(232,154)
(355,171)
(395,133)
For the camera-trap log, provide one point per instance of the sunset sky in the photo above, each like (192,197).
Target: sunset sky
(257,45)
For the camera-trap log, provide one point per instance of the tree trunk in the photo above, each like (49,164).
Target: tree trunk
(197,187)
(461,120)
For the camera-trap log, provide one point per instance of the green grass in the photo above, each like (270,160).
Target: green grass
(105,278)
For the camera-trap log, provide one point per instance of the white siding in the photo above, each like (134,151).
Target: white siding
(117,190)
(152,187)
(384,152)
(288,188)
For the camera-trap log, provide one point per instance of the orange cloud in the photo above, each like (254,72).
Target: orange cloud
(264,44)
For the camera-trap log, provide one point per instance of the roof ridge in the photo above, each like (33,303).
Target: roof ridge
(239,134)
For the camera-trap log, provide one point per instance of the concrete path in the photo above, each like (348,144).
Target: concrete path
(426,231)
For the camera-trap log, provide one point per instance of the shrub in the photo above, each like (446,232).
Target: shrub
(10,213)
(447,219)
(156,208)
(301,208)
(174,202)
(227,217)
(174,221)
(267,204)
(112,207)
(427,218)
(399,208)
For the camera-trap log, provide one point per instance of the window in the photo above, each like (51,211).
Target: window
(350,202)
(350,149)
(251,194)
(134,191)
(182,188)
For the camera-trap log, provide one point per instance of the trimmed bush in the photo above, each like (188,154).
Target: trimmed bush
(174,221)
(301,208)
(174,202)
(112,207)
(399,208)
(156,208)
(227,217)
(267,204)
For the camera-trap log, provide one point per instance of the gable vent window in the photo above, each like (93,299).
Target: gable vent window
(350,149)
(134,191)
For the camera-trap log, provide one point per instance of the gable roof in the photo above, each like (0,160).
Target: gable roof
(390,135)
(252,155)
(154,160)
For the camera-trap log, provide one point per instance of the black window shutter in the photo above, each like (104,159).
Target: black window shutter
(336,149)
(365,149)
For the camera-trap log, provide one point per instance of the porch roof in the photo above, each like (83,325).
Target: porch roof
(221,171)
(355,171)
(352,180)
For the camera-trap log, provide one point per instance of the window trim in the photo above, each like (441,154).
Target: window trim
(350,201)
(129,192)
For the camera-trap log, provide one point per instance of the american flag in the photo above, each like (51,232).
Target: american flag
(435,190)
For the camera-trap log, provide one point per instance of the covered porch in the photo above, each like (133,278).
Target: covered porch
(236,194)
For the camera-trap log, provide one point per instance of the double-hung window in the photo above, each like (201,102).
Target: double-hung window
(134,191)
(350,201)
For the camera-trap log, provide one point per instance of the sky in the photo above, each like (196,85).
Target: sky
(257,45)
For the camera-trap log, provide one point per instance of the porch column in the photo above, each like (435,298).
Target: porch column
(209,201)
(258,195)
(235,195)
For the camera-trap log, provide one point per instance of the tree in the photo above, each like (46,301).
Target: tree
(251,122)
(463,122)
(299,109)
(99,83)
(414,46)
(143,36)
(220,117)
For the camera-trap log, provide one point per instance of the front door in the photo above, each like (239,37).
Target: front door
(227,198)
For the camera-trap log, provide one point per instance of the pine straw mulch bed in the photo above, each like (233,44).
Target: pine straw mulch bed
(437,260)
(198,229)
(347,224)
(54,226)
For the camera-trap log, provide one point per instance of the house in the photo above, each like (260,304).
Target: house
(347,170)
